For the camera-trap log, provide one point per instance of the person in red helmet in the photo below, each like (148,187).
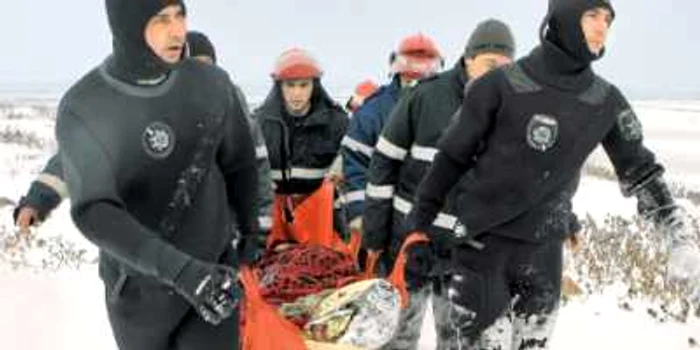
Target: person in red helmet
(402,156)
(363,90)
(302,126)
(416,56)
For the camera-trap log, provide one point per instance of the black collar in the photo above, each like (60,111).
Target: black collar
(549,65)
(461,78)
(322,107)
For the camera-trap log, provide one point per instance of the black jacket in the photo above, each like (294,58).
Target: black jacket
(304,146)
(134,157)
(404,153)
(49,189)
(365,127)
(530,129)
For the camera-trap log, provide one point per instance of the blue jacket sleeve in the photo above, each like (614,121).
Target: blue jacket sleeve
(383,177)
(357,148)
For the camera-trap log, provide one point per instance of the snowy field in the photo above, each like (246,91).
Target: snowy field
(47,302)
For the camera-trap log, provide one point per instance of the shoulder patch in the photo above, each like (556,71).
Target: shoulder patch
(629,125)
(519,80)
(596,94)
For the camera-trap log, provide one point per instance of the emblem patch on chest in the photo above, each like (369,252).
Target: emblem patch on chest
(158,140)
(542,132)
(629,125)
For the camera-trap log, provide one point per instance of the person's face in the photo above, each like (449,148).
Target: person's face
(595,24)
(166,33)
(297,95)
(204,59)
(484,62)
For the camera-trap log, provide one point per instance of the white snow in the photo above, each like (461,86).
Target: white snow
(64,309)
(598,323)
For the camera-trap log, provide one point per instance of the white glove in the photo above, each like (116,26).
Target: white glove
(684,254)
(684,266)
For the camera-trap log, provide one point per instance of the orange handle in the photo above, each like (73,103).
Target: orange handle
(249,281)
(371,264)
(398,274)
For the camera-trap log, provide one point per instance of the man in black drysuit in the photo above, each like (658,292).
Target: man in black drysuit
(523,134)
(158,159)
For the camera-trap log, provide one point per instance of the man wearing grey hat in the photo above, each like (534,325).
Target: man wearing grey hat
(404,153)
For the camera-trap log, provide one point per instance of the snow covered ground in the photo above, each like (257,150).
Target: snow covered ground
(48,303)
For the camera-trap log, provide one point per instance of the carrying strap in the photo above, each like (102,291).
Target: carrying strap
(262,326)
(314,223)
(285,154)
(397,277)
(191,178)
(249,281)
(287,202)
(371,264)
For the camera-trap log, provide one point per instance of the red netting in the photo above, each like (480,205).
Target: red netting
(258,319)
(302,270)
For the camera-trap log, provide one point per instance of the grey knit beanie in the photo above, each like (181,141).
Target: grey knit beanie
(491,36)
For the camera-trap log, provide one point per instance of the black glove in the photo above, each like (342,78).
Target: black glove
(213,290)
(420,263)
(251,248)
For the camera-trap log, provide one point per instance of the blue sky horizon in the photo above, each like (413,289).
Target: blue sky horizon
(49,45)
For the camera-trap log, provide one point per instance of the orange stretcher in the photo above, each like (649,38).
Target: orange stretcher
(309,220)
(305,220)
(265,328)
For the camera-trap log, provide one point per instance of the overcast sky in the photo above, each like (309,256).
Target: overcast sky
(653,49)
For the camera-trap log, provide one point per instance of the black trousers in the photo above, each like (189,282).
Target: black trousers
(146,316)
(508,279)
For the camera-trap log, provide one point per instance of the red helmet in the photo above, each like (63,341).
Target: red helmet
(362,91)
(296,63)
(417,57)
(366,88)
(418,45)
